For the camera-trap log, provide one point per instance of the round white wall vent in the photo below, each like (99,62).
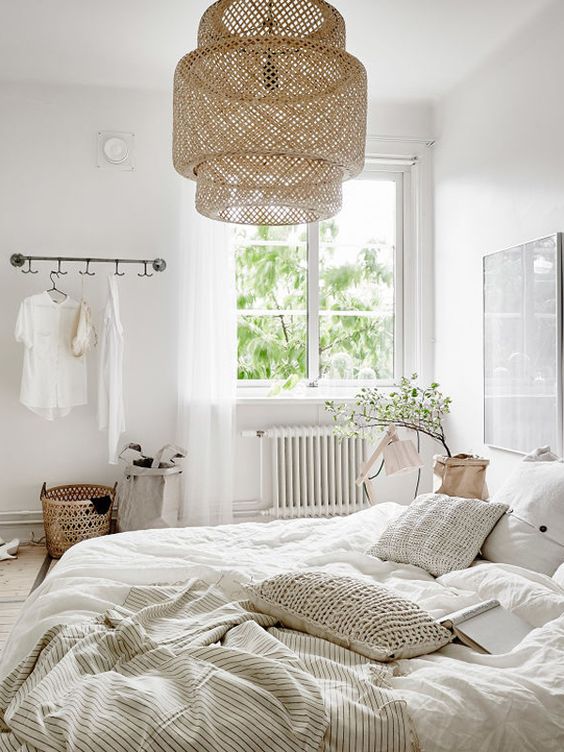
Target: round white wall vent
(115,150)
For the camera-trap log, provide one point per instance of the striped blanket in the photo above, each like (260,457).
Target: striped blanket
(183,669)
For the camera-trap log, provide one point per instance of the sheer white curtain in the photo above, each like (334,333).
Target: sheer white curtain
(207,365)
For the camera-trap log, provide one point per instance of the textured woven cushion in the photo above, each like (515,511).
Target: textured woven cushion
(438,533)
(367,618)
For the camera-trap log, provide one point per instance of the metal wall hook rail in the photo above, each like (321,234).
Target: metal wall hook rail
(29,270)
(59,270)
(145,274)
(87,272)
(19,260)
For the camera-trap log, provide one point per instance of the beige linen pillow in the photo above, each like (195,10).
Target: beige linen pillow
(367,618)
(438,533)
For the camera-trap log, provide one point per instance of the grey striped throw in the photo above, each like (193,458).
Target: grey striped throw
(185,670)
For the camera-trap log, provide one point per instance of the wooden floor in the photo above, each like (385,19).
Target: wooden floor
(17,578)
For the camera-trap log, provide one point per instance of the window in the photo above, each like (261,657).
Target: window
(322,302)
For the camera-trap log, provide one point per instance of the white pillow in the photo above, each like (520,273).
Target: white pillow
(541,454)
(438,533)
(366,618)
(558,576)
(531,534)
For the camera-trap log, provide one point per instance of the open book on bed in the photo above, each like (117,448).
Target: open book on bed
(487,627)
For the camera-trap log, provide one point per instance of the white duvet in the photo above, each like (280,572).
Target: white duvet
(459,700)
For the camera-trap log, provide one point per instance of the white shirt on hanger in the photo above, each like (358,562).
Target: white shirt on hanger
(53,379)
(111,414)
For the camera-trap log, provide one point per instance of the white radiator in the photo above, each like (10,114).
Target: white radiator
(313,472)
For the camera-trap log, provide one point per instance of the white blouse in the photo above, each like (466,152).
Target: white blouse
(111,414)
(53,379)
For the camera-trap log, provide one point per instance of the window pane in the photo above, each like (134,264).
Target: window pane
(271,267)
(356,273)
(272,347)
(356,347)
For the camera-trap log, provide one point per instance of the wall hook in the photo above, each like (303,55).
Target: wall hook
(145,274)
(59,271)
(117,272)
(87,271)
(29,270)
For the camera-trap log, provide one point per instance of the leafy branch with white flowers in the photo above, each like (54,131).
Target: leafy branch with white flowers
(409,405)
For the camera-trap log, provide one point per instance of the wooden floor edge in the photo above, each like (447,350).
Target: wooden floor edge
(42,573)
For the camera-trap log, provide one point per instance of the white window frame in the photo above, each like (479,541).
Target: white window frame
(371,172)
(406,313)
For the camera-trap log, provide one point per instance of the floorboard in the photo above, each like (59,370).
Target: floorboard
(18,577)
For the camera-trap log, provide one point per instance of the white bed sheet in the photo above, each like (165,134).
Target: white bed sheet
(459,700)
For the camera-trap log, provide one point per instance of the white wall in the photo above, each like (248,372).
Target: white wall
(499,181)
(401,119)
(53,199)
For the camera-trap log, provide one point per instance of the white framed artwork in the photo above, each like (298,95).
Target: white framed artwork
(523,346)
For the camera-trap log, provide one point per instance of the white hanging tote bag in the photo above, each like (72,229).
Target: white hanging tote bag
(149,493)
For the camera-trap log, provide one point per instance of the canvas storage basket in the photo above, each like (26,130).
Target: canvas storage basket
(70,515)
(149,494)
(462,475)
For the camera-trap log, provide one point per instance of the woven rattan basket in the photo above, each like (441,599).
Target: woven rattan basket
(70,517)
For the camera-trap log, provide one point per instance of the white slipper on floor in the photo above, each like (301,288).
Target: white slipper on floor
(9,550)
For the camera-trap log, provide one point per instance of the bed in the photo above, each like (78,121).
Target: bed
(456,699)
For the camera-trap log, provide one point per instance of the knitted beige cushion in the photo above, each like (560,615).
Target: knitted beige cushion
(367,618)
(438,533)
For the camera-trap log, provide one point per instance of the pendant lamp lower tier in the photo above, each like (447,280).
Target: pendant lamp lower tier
(269,112)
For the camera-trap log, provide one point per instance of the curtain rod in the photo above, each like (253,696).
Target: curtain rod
(19,259)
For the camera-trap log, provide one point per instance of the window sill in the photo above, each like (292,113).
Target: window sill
(253,395)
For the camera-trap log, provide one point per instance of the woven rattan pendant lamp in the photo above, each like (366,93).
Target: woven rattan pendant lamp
(269,112)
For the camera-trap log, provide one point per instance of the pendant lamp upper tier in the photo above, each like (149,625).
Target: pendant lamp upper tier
(269,112)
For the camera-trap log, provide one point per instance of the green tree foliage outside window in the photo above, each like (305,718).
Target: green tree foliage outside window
(271,278)
(356,317)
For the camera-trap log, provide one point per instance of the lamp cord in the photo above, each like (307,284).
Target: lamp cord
(377,473)
(418,469)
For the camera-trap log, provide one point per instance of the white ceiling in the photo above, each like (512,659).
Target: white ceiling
(413,49)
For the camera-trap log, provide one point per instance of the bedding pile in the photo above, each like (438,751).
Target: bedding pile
(183,668)
(458,699)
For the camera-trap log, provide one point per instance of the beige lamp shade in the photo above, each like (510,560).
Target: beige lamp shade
(269,112)
(401,457)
